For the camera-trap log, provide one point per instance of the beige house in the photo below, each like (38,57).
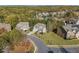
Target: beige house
(5,26)
(23,26)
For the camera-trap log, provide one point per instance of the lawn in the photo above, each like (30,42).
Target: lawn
(53,39)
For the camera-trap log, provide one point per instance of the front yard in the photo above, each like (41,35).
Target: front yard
(53,39)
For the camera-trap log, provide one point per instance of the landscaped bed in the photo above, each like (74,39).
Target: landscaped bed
(51,38)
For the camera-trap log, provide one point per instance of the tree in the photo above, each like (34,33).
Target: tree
(15,36)
(70,15)
(3,40)
(3,43)
(11,19)
(1,18)
(49,26)
(57,23)
(8,38)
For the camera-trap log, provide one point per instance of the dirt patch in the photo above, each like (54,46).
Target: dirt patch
(24,46)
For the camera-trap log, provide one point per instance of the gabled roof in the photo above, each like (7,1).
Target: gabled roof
(5,26)
(71,27)
(40,25)
(23,25)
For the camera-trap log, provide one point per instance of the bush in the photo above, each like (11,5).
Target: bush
(12,19)
(3,43)
(8,38)
(15,36)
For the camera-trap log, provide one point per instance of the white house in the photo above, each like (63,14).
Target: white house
(77,35)
(77,22)
(40,28)
(23,26)
(70,34)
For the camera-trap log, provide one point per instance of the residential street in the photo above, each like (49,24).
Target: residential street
(42,48)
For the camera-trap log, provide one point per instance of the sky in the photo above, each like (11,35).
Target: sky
(39,2)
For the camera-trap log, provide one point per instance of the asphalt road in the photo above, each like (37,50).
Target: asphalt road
(65,50)
(42,48)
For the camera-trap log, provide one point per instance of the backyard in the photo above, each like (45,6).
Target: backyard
(53,39)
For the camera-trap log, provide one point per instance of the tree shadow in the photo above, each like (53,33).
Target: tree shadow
(50,51)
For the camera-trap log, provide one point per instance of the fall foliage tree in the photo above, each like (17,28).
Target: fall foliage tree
(11,19)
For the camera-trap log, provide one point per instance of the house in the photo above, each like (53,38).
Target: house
(6,27)
(39,16)
(77,35)
(70,35)
(40,28)
(23,26)
(72,30)
(77,22)
(43,15)
(70,21)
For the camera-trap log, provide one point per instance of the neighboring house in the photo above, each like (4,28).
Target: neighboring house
(6,27)
(23,26)
(70,35)
(77,35)
(72,30)
(42,15)
(69,31)
(70,21)
(53,14)
(40,28)
(39,16)
(77,22)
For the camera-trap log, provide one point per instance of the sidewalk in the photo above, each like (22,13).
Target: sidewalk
(65,46)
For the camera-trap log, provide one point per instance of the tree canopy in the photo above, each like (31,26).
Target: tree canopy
(12,20)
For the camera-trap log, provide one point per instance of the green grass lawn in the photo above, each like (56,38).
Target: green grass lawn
(53,39)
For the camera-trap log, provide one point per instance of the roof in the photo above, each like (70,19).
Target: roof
(5,26)
(67,27)
(77,22)
(22,25)
(71,27)
(40,25)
